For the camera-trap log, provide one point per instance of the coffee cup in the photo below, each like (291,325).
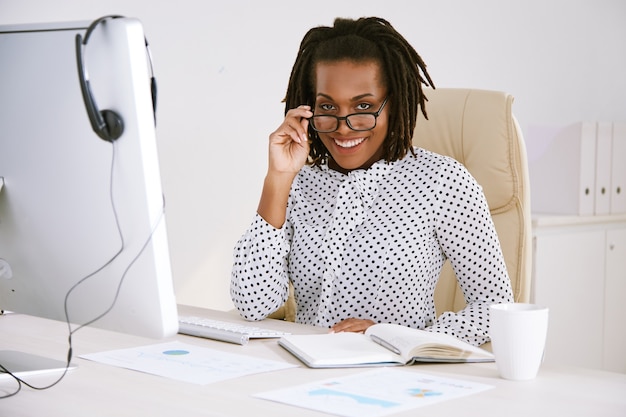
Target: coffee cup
(518,336)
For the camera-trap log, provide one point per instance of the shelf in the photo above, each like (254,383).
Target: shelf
(556,220)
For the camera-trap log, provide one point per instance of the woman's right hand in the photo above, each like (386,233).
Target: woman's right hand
(289,146)
(289,150)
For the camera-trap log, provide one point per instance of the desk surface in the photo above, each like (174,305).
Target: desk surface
(94,389)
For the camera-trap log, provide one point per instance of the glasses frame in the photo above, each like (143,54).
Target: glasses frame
(340,118)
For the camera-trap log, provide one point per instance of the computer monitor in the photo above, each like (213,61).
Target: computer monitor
(79,213)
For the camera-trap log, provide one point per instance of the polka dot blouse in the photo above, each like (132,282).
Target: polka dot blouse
(371,244)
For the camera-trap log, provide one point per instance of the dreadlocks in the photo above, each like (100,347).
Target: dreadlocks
(365,39)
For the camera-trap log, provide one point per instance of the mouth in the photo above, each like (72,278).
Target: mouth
(350,143)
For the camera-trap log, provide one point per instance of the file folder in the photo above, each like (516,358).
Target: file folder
(604,139)
(618,169)
(562,168)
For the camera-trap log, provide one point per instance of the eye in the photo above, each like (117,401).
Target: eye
(363,106)
(326,107)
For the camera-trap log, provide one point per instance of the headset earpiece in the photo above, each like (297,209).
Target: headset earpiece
(114,124)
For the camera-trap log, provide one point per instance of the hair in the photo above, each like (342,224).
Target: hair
(364,40)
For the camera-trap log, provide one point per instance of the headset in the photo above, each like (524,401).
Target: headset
(107,124)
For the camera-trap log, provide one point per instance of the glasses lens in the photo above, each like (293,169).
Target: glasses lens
(362,121)
(324,123)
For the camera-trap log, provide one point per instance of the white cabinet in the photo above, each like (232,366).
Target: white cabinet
(615,301)
(579,272)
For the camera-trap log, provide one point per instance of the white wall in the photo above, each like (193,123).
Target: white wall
(222,70)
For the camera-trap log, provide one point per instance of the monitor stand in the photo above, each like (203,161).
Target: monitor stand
(22,364)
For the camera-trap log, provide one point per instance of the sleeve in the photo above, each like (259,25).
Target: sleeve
(469,240)
(259,282)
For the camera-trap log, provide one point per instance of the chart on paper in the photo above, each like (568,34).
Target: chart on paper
(186,362)
(374,393)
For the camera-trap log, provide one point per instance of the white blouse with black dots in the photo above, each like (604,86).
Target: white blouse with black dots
(371,245)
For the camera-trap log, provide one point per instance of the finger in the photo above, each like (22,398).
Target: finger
(302,107)
(305,127)
(300,114)
(351,325)
(349,328)
(291,130)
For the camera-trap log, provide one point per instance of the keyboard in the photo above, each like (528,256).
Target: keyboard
(224,331)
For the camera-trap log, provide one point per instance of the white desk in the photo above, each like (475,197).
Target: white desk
(96,390)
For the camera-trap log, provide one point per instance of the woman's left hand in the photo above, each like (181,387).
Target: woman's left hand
(352,325)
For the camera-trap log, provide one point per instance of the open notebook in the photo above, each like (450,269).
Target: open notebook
(381,345)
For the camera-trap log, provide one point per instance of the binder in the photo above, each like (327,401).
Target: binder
(562,169)
(602,186)
(618,169)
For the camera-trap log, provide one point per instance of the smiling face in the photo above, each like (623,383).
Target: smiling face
(347,87)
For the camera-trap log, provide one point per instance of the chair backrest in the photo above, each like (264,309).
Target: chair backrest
(478,129)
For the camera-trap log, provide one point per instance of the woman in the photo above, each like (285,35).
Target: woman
(350,213)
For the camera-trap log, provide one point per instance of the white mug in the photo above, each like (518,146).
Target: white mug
(518,338)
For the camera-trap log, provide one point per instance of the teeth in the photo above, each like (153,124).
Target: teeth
(349,143)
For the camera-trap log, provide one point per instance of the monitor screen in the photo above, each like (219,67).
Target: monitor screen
(82,219)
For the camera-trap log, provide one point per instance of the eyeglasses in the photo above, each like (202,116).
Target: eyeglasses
(327,123)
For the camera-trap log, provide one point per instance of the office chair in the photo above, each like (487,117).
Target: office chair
(478,129)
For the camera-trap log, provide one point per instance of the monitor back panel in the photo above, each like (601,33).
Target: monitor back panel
(57,221)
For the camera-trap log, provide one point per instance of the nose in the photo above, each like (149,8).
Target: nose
(342,125)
